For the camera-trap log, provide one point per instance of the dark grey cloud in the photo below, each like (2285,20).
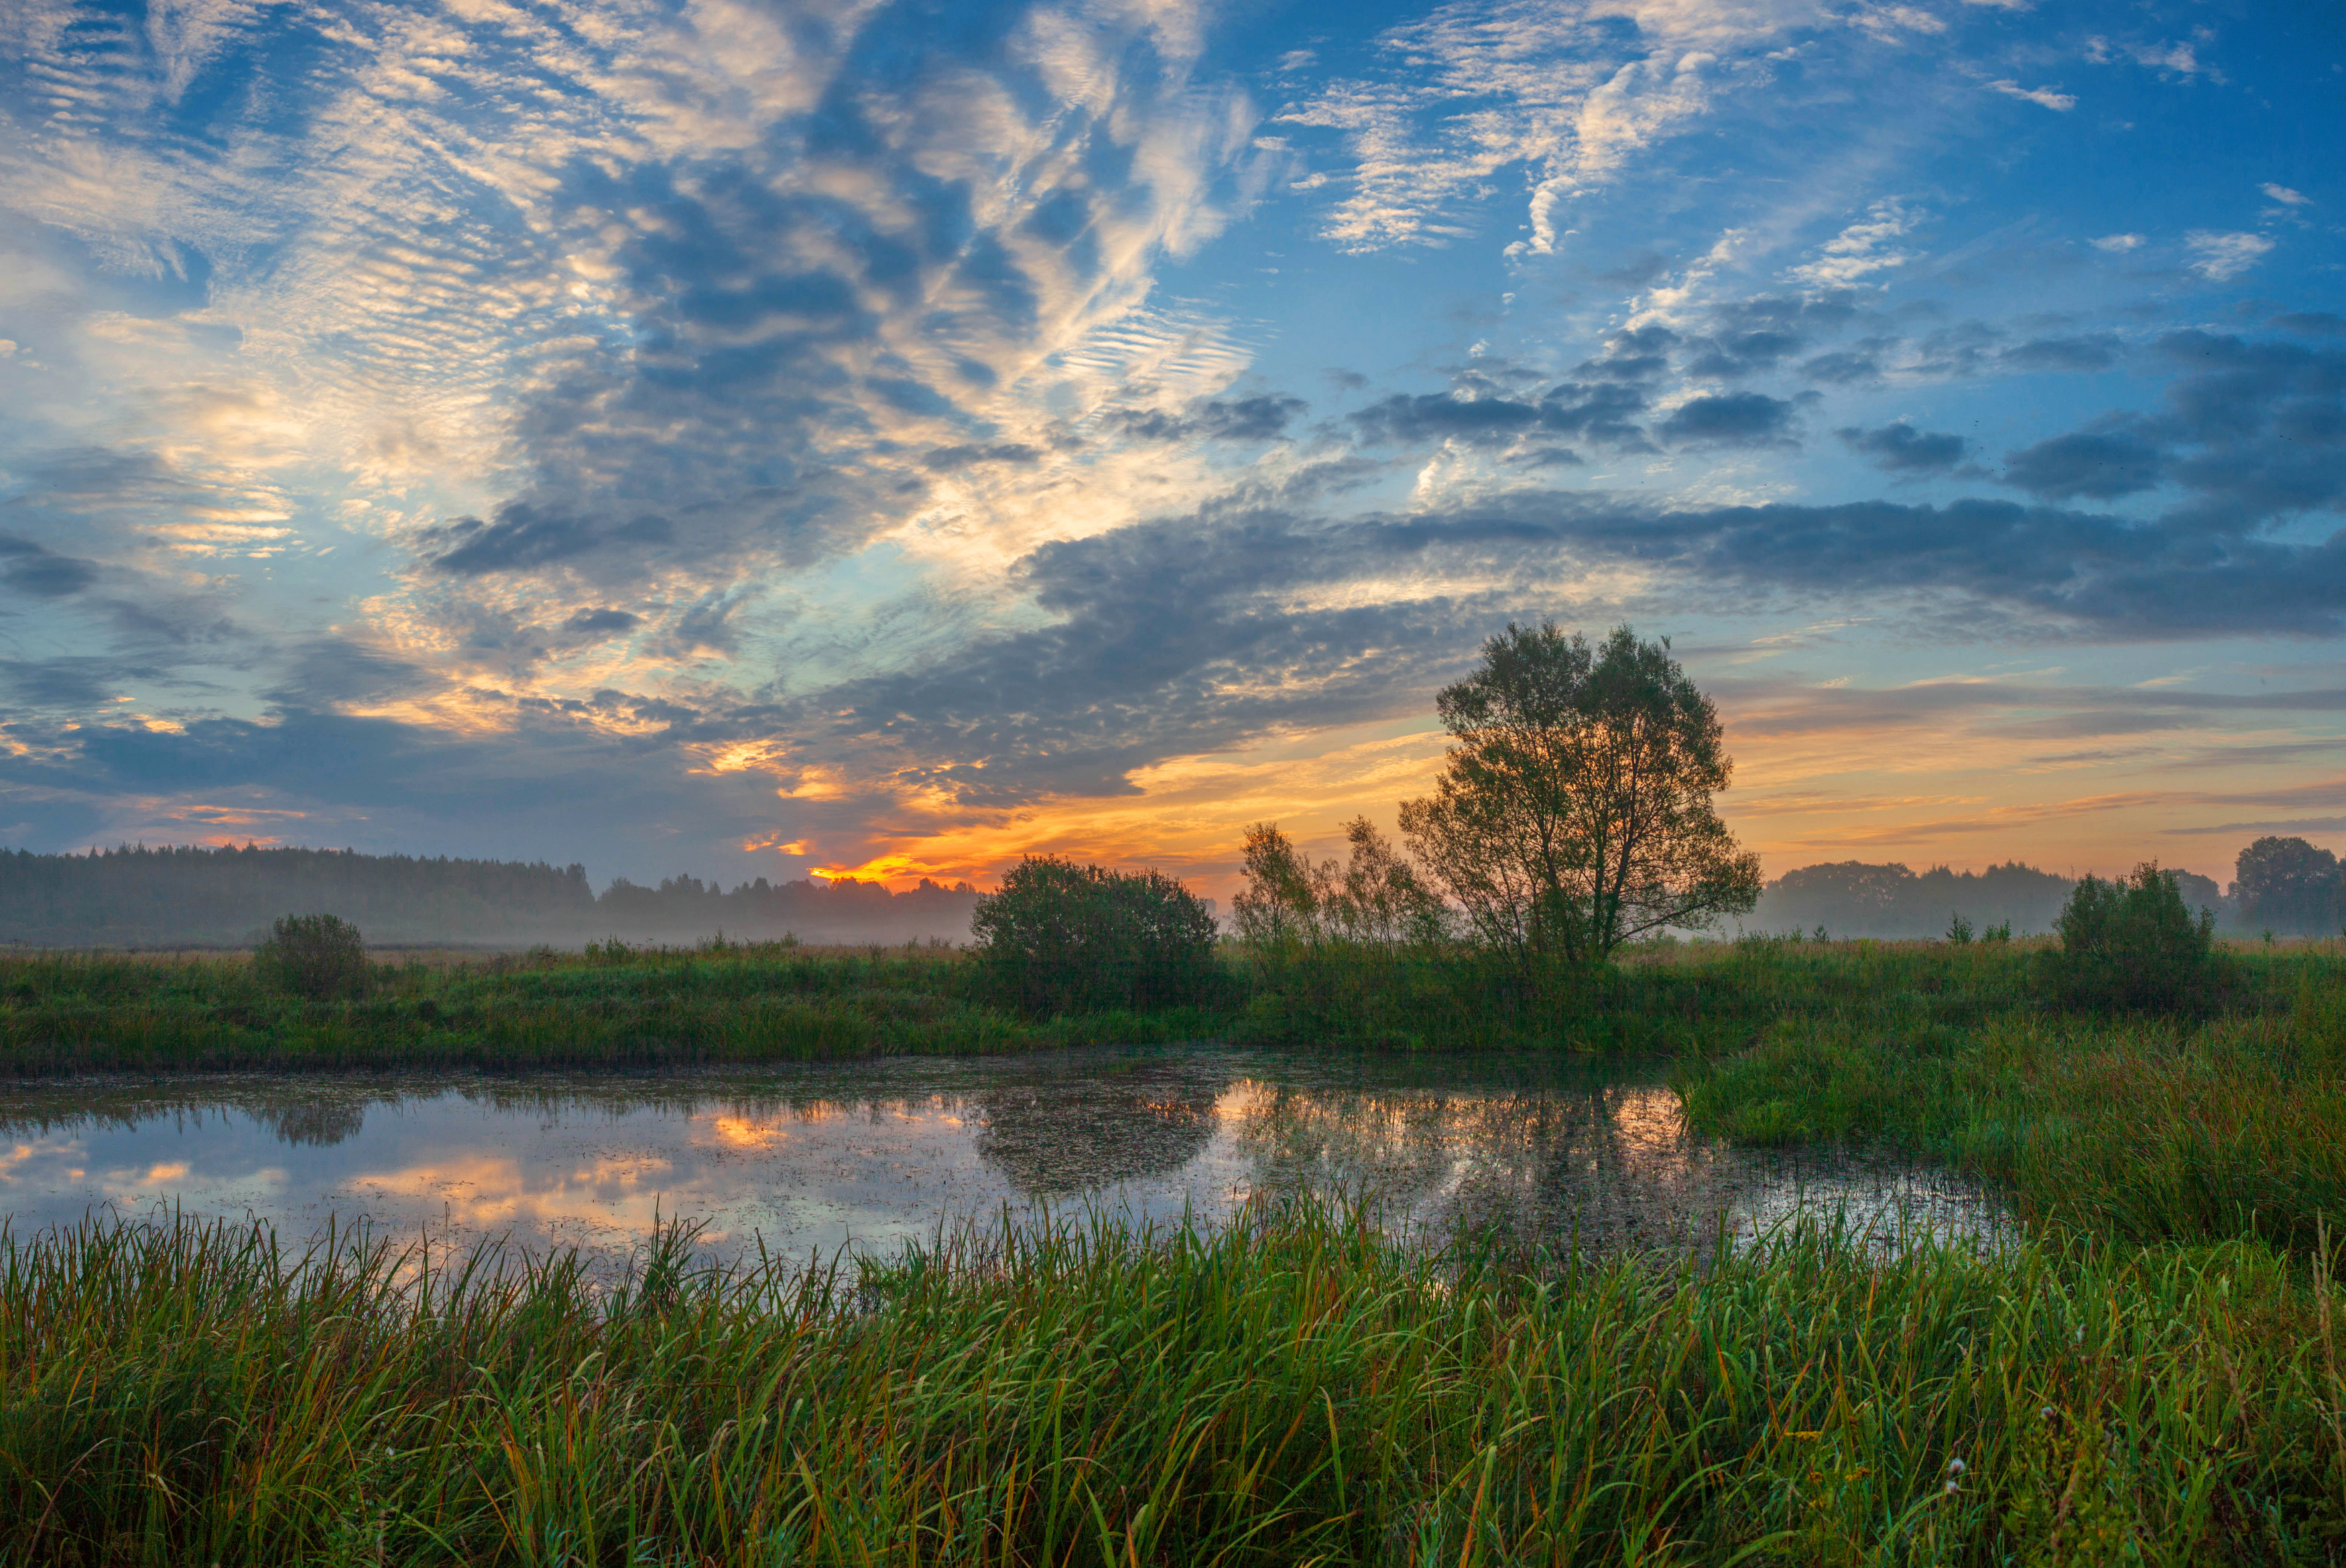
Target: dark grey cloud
(330,670)
(600,623)
(1261,418)
(1600,413)
(1957,352)
(523,537)
(1749,337)
(2251,431)
(1406,420)
(2312,324)
(1900,448)
(952,459)
(40,573)
(1843,368)
(2103,467)
(73,682)
(1741,353)
(2092,352)
(1731,419)
(1641,354)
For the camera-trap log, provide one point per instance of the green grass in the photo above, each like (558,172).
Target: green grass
(1291,1389)
(2154,1377)
(737,1003)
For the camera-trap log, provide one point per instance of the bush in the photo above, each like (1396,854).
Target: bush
(2130,945)
(316,956)
(1063,938)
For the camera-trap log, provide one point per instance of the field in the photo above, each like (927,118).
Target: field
(99,1011)
(2154,1376)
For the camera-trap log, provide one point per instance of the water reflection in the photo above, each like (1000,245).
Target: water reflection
(805,1159)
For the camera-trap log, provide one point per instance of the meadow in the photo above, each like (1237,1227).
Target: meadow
(2153,1375)
(722,1001)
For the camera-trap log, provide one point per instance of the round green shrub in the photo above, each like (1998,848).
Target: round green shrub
(320,956)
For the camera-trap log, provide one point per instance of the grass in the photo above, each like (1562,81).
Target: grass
(2141,1130)
(741,1003)
(1294,1389)
(733,1003)
(2153,1377)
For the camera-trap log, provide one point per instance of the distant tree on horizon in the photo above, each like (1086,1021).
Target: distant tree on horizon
(2288,885)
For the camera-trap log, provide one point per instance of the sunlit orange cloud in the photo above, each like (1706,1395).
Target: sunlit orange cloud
(1924,790)
(1189,817)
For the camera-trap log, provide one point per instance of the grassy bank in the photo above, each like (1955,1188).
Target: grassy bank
(735,1002)
(2139,1129)
(1290,1390)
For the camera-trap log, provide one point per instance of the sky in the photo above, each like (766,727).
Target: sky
(887,438)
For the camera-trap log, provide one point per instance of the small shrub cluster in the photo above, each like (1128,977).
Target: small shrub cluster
(1061,936)
(320,956)
(2130,945)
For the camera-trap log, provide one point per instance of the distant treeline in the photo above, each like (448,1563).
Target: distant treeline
(140,897)
(2286,886)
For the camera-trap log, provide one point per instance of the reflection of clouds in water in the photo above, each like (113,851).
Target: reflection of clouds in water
(872,1154)
(23,1161)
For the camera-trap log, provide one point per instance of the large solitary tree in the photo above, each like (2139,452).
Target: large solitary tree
(1574,812)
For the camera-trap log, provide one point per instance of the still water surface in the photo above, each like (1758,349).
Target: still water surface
(803,1160)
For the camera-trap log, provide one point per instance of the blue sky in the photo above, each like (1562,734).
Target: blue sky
(762,439)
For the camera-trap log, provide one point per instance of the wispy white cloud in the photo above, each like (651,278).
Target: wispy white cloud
(2050,98)
(2285,196)
(2118,244)
(1480,87)
(2219,255)
(1865,248)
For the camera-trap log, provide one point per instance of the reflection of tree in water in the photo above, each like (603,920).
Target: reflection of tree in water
(1058,1138)
(318,1124)
(1616,1159)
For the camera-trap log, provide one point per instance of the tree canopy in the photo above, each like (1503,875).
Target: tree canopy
(1574,812)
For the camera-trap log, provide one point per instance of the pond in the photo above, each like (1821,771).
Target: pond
(803,1160)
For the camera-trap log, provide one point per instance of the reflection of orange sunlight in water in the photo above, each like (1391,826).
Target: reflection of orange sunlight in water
(23,1153)
(740,1132)
(491,1191)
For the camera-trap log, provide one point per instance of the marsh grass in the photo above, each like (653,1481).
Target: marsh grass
(613,1005)
(1295,1388)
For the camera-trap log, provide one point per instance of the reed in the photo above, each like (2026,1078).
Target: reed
(1292,1389)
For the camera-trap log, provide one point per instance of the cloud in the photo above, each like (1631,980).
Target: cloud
(1902,449)
(2102,466)
(2220,257)
(1843,368)
(1573,93)
(1201,633)
(2312,324)
(2092,352)
(1261,418)
(40,573)
(600,622)
(1734,419)
(2049,97)
(2285,196)
(1863,248)
(1600,413)
(2118,244)
(952,459)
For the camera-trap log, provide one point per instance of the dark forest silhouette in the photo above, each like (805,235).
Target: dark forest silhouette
(192,896)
